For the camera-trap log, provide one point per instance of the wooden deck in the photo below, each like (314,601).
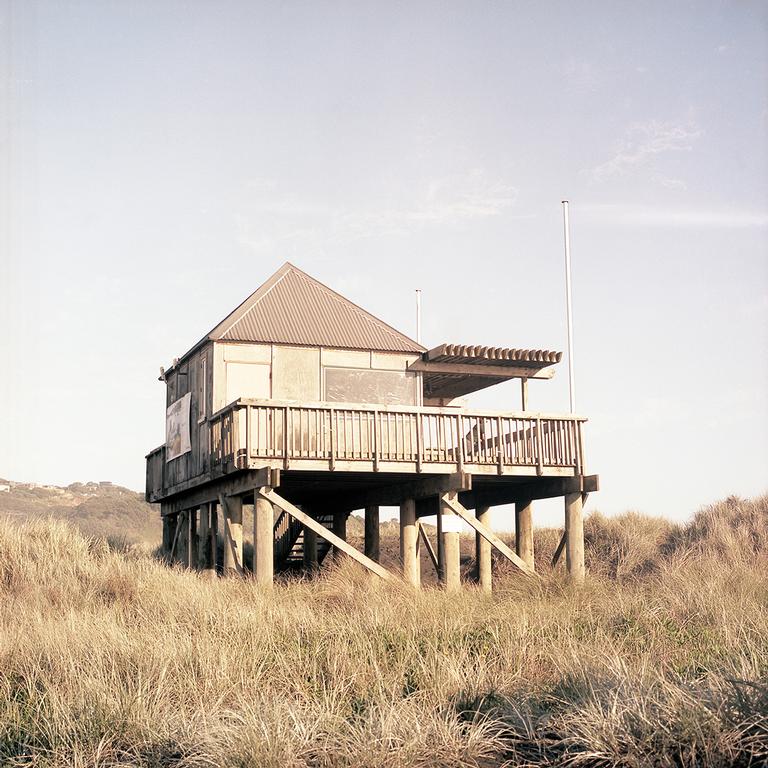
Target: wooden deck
(252,434)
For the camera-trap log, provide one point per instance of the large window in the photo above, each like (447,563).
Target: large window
(350,385)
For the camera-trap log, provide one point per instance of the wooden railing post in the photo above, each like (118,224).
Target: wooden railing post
(332,458)
(460,440)
(419,440)
(286,462)
(500,445)
(247,436)
(539,449)
(375,441)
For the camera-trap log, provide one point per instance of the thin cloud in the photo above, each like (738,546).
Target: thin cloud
(643,143)
(648,216)
(441,201)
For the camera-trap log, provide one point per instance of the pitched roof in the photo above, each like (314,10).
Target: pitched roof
(294,308)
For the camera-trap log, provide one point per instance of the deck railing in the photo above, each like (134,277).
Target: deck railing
(400,438)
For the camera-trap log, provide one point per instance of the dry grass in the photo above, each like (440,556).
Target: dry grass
(109,658)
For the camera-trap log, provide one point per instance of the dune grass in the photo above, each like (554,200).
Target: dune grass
(107,657)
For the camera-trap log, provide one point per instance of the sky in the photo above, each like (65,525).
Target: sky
(160,160)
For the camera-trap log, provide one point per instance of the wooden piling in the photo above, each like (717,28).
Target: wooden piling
(524,531)
(440,545)
(483,551)
(372,533)
(233,535)
(574,538)
(203,538)
(263,541)
(213,532)
(169,529)
(409,543)
(451,527)
(340,529)
(310,549)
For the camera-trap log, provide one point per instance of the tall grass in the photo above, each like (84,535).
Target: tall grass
(109,658)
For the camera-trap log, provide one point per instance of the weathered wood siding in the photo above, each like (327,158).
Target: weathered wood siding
(311,375)
(193,375)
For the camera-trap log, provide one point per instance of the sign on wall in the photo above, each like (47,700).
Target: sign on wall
(177,428)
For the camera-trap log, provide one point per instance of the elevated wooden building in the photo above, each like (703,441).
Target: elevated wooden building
(307,407)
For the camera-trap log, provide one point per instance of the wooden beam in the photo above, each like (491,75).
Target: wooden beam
(480,370)
(324,533)
(428,547)
(235,485)
(543,488)
(395,494)
(489,536)
(559,551)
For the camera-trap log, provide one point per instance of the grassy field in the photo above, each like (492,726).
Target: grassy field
(109,658)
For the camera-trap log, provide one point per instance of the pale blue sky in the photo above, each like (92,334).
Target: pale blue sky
(161,159)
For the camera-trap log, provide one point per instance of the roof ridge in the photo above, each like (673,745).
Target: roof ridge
(280,274)
(351,325)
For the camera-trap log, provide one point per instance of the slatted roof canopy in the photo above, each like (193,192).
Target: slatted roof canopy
(453,370)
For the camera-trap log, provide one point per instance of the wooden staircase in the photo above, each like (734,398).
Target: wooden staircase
(289,541)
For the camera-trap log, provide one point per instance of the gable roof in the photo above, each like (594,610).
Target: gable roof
(294,308)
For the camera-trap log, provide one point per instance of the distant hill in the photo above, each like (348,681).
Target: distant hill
(97,509)
(108,510)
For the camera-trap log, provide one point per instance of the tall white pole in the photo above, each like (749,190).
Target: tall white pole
(568,299)
(418,315)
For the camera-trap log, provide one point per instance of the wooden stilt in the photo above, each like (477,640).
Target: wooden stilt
(524,531)
(263,541)
(340,529)
(451,526)
(409,543)
(177,543)
(372,533)
(440,545)
(191,561)
(213,532)
(169,528)
(574,538)
(203,537)
(233,535)
(310,549)
(483,550)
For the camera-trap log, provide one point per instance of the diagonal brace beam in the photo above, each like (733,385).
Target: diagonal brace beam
(489,536)
(428,546)
(323,532)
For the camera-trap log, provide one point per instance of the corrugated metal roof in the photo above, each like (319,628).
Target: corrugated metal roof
(294,308)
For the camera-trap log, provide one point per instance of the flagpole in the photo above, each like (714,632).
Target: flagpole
(569,304)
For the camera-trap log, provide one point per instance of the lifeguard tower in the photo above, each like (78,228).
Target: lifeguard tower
(307,407)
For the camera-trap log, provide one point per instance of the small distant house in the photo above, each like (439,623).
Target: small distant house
(307,407)
(5,488)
